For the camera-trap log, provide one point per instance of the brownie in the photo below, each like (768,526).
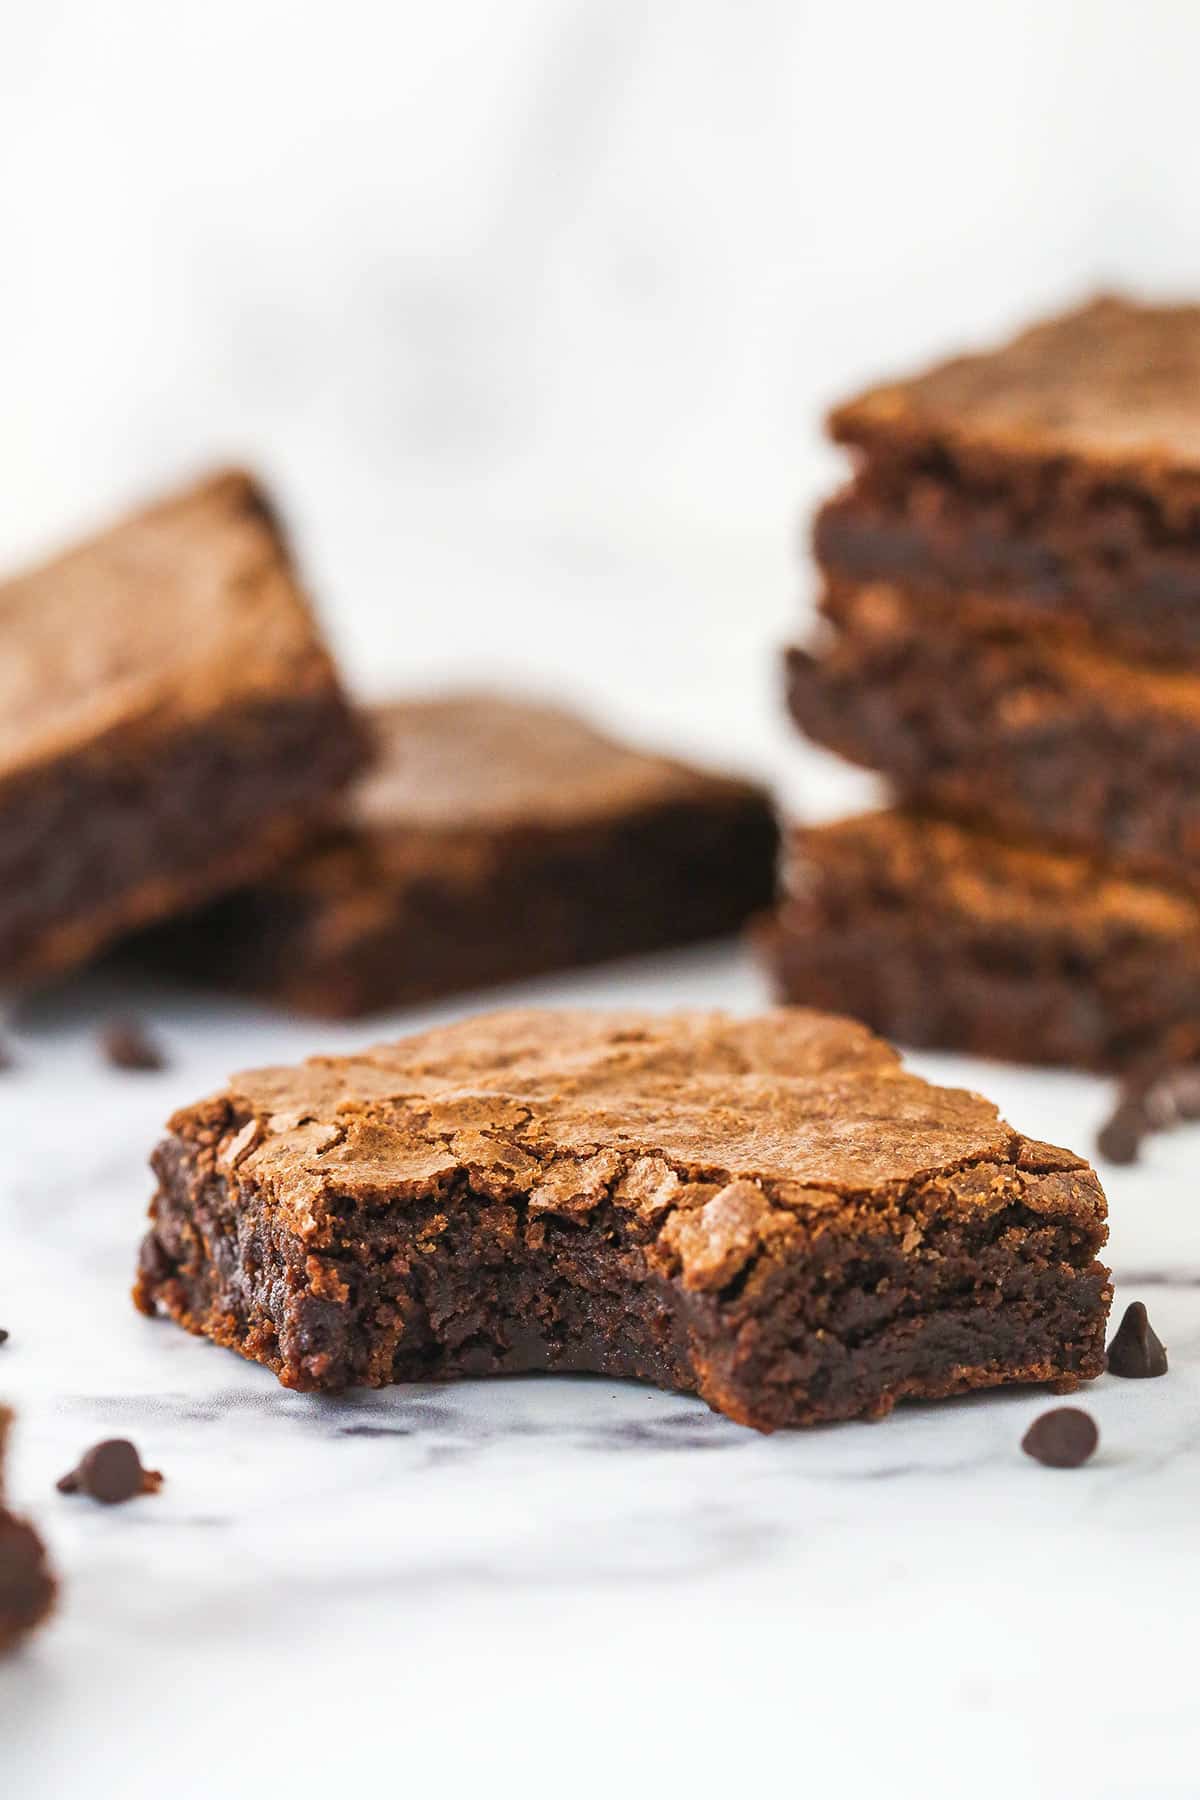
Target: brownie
(1058,475)
(771,1213)
(948,937)
(27,1586)
(1040,735)
(171,723)
(494,839)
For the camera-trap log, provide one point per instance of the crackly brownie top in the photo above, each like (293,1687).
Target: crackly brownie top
(483,760)
(172,614)
(1113,383)
(657,1114)
(978,878)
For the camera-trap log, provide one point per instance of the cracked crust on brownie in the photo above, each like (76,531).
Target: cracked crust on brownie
(772,1213)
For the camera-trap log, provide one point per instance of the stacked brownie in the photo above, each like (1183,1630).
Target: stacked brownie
(1011,635)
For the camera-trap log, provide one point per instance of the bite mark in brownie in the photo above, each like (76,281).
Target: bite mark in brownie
(170,723)
(494,839)
(945,936)
(771,1213)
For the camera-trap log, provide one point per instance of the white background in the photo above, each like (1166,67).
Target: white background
(530,310)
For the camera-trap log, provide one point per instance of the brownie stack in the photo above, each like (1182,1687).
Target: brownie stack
(1011,635)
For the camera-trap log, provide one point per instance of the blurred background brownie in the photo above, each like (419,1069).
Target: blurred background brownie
(494,839)
(1060,474)
(1010,634)
(171,723)
(946,936)
(1042,735)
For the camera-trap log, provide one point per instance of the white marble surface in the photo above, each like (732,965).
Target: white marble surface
(567,1584)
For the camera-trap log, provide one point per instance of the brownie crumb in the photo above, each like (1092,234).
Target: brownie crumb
(1063,1438)
(1136,1352)
(111,1472)
(126,1044)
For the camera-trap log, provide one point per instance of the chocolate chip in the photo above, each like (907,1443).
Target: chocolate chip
(1120,1138)
(111,1472)
(3,1335)
(126,1045)
(1136,1352)
(1062,1438)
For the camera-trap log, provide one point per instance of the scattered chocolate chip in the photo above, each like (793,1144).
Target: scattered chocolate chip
(3,1335)
(111,1471)
(1136,1351)
(1062,1438)
(126,1045)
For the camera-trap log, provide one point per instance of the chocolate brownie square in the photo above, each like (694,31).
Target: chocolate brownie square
(494,839)
(1058,475)
(950,937)
(170,723)
(1040,734)
(771,1213)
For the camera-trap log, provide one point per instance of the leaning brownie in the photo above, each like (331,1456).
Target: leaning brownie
(171,723)
(1041,735)
(1059,475)
(493,839)
(945,936)
(771,1213)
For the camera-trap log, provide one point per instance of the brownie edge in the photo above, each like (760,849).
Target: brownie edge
(171,724)
(945,936)
(770,1213)
(27,1584)
(494,839)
